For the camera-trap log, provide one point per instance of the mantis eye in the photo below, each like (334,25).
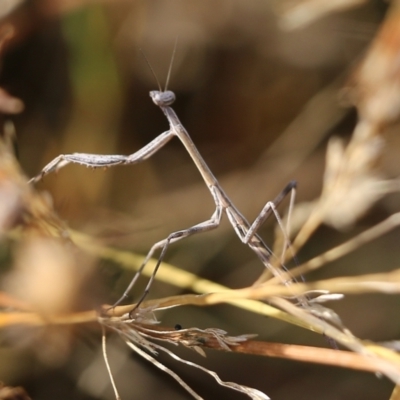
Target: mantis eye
(162,99)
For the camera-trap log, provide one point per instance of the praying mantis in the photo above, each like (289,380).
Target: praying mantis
(246,232)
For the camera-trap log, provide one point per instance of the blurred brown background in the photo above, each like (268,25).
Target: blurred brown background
(260,103)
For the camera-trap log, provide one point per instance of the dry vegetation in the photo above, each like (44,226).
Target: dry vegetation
(306,90)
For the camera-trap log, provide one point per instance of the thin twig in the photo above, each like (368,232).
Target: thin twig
(104,348)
